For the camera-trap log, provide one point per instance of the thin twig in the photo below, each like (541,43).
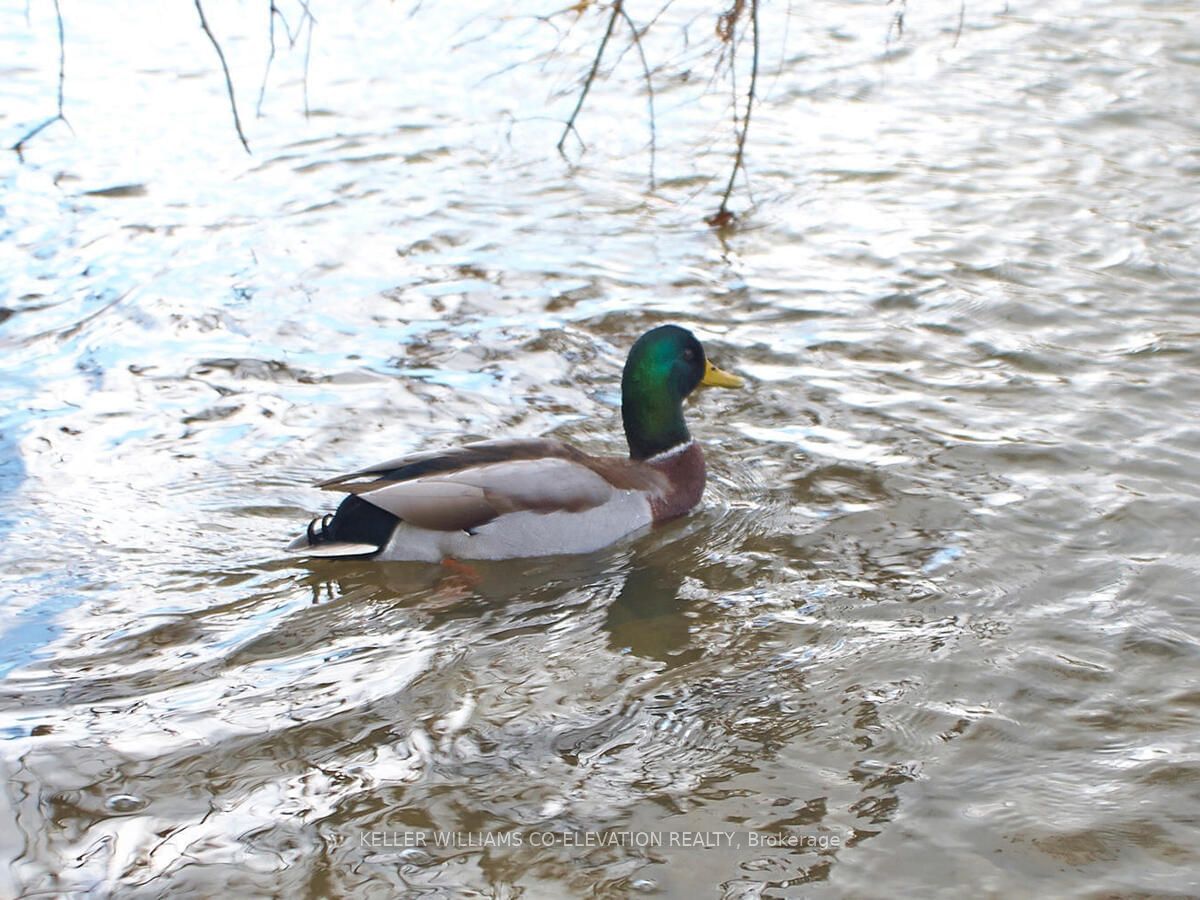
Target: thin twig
(62,68)
(591,76)
(637,40)
(262,90)
(723,216)
(645,29)
(237,120)
(306,18)
(783,47)
(962,14)
(294,36)
(307,50)
(658,15)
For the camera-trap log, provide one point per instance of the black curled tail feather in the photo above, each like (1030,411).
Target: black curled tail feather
(318,534)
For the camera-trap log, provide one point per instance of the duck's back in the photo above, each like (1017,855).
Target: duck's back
(490,500)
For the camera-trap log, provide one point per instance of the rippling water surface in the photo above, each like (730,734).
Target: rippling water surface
(936,623)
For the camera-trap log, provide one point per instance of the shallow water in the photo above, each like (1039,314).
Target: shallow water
(935,624)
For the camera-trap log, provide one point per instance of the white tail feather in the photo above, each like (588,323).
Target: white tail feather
(301,547)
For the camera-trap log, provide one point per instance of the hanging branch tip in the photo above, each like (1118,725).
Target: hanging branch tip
(237,120)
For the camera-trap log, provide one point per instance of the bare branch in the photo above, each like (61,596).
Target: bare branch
(723,217)
(307,50)
(271,14)
(62,68)
(637,40)
(237,120)
(591,76)
(62,56)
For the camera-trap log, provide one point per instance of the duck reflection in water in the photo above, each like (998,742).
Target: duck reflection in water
(646,615)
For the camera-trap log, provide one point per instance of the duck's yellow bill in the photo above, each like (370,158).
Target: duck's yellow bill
(715,377)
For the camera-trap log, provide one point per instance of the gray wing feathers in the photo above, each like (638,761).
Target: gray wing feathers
(415,465)
(436,504)
(468,498)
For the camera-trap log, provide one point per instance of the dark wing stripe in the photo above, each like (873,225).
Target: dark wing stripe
(421,464)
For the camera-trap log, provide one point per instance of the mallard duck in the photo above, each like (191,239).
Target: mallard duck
(515,498)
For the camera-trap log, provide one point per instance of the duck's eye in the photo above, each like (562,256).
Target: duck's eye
(689,354)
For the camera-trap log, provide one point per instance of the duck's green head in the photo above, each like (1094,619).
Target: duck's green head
(665,365)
